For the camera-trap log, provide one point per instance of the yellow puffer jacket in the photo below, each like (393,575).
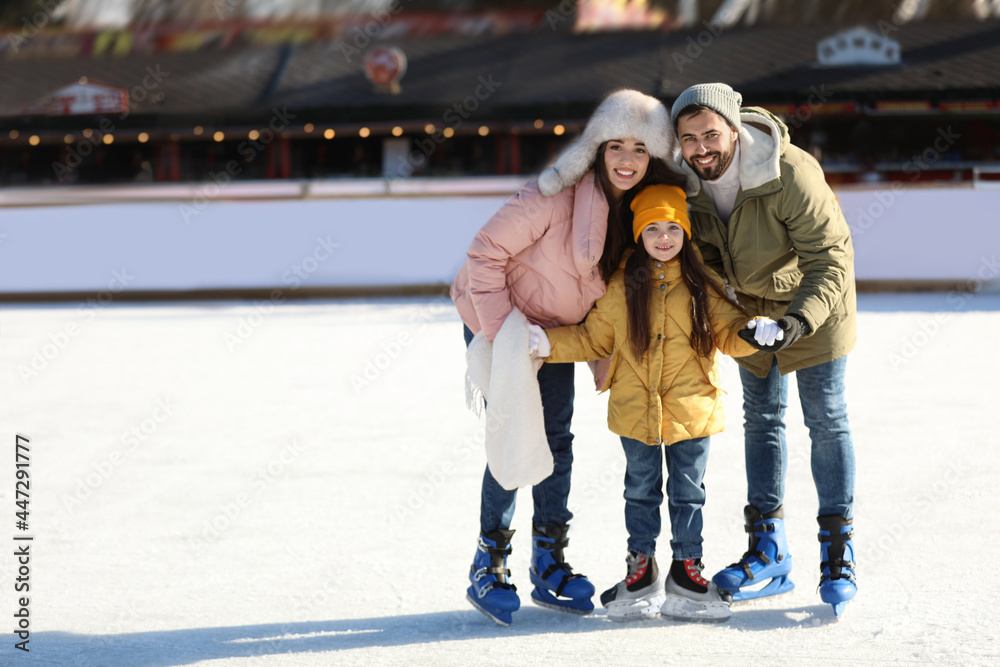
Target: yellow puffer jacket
(672,393)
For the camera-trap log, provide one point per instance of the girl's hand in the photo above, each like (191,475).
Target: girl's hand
(538,342)
(765,331)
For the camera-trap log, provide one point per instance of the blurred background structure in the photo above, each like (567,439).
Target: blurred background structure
(214,148)
(115,91)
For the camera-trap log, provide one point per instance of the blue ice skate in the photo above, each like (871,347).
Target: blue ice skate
(556,585)
(491,591)
(766,558)
(837,584)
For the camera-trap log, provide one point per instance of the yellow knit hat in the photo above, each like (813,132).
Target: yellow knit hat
(660,203)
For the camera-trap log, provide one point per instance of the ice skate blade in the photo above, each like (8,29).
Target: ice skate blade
(645,609)
(837,596)
(677,608)
(776,586)
(482,610)
(547,601)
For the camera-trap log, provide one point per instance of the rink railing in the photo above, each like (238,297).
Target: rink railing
(347,188)
(243,190)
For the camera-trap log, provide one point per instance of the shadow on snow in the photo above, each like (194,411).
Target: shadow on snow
(181,647)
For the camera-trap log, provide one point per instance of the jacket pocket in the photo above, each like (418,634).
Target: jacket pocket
(785,283)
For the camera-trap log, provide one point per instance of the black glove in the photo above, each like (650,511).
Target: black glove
(794,326)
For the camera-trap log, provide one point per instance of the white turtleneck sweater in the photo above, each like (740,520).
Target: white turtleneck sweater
(723,190)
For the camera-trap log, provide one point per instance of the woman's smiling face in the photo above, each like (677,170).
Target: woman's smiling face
(626,161)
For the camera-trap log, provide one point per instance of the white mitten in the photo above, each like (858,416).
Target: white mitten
(538,342)
(766,330)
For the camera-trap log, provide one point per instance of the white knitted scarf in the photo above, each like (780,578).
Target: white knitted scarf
(503,374)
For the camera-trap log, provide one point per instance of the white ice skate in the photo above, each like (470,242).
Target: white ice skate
(640,596)
(689,597)
(640,609)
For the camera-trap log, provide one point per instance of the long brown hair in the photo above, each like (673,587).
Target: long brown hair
(619,236)
(638,288)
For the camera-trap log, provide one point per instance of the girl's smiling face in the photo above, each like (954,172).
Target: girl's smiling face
(663,240)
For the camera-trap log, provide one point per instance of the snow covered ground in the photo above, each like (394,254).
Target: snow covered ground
(297,484)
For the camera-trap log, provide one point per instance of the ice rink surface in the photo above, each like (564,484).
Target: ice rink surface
(250,483)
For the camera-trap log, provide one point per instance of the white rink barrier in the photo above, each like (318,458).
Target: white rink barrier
(925,234)
(386,234)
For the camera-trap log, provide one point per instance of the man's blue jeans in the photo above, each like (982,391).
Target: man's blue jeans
(821,392)
(551,495)
(686,461)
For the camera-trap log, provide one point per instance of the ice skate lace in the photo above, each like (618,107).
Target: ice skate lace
(694,568)
(637,564)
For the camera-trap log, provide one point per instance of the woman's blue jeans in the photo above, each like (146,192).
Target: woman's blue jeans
(686,462)
(821,393)
(551,495)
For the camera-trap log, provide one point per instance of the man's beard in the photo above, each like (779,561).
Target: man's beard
(716,170)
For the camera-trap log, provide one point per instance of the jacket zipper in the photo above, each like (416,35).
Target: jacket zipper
(725,232)
(725,228)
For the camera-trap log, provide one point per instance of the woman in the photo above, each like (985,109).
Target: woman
(550,251)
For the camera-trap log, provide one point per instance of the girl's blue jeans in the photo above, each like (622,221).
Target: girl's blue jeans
(686,462)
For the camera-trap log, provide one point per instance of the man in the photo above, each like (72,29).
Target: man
(765,219)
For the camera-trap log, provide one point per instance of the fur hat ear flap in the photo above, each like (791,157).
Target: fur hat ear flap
(549,182)
(623,114)
(572,164)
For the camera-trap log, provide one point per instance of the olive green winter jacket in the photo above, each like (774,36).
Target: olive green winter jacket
(787,247)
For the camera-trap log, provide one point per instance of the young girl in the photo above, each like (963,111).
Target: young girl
(662,320)
(549,251)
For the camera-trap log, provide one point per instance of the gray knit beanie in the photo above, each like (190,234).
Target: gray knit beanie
(717,96)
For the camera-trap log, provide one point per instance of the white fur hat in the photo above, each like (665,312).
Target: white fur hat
(624,113)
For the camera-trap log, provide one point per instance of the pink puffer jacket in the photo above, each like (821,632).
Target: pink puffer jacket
(539,254)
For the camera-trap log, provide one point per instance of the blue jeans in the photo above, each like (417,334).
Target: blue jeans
(686,462)
(821,392)
(551,495)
